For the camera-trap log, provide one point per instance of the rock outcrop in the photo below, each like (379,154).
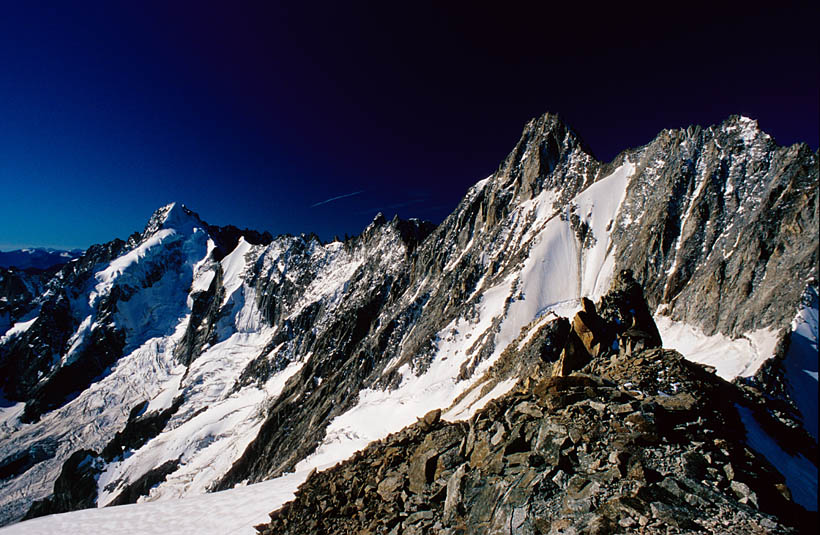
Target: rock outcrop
(627,327)
(652,445)
(586,335)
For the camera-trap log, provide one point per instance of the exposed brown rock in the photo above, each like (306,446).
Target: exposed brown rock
(582,453)
(587,339)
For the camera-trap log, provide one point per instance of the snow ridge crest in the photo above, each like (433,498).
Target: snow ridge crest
(174,216)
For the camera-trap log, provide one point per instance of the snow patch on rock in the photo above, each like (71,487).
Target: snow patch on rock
(741,357)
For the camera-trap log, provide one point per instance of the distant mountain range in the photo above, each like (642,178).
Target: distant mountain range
(505,366)
(38,258)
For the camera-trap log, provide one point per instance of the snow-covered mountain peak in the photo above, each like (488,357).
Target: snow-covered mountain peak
(744,128)
(410,232)
(548,124)
(378,221)
(546,143)
(173,216)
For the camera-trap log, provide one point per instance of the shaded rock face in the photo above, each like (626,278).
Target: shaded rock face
(201,330)
(226,238)
(20,461)
(609,452)
(18,291)
(798,352)
(721,229)
(624,308)
(141,427)
(75,488)
(103,349)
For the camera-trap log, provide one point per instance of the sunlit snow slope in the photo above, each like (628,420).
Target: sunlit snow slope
(231,512)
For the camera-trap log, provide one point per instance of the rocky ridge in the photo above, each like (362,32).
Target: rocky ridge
(638,440)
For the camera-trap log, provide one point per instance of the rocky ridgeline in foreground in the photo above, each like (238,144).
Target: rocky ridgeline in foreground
(638,440)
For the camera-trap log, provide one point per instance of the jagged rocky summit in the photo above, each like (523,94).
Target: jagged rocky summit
(191,358)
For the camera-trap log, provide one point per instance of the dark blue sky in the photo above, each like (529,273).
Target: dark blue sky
(253,115)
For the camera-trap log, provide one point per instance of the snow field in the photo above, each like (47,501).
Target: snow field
(230,512)
(741,357)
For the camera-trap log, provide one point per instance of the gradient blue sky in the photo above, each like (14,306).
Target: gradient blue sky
(255,115)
